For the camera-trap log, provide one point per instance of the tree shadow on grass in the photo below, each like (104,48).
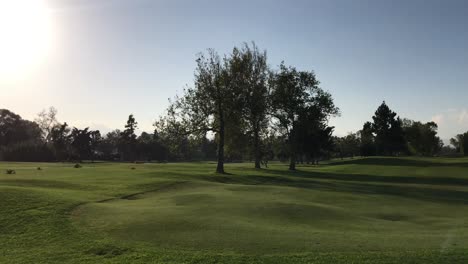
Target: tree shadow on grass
(374,178)
(368,188)
(358,184)
(394,161)
(421,188)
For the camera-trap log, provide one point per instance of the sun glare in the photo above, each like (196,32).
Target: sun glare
(25,35)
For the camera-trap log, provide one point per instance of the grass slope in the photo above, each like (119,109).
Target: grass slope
(372,210)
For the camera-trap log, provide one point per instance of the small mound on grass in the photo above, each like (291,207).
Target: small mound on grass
(107,250)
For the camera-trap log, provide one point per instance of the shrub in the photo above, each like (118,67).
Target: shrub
(133,168)
(39,168)
(8,171)
(77,166)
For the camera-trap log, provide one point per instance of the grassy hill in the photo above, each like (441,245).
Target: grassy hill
(371,210)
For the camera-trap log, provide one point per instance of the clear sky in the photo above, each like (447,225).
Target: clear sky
(109,58)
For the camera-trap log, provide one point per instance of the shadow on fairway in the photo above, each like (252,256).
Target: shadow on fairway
(393,161)
(373,178)
(361,184)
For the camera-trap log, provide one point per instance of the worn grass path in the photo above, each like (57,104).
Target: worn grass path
(372,210)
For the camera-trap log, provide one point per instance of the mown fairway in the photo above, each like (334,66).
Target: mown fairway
(373,210)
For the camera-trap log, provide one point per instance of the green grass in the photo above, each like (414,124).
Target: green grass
(373,210)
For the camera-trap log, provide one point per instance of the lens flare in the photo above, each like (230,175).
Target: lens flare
(25,35)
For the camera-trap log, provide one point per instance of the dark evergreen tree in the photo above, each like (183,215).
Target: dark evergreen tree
(387,127)
(128,139)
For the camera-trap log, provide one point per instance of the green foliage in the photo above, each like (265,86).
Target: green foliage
(61,141)
(81,143)
(10,171)
(367,147)
(465,144)
(348,146)
(460,142)
(385,135)
(389,135)
(27,151)
(422,138)
(249,66)
(127,143)
(300,106)
(15,130)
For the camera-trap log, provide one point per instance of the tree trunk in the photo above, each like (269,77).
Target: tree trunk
(293,148)
(257,149)
(292,163)
(220,166)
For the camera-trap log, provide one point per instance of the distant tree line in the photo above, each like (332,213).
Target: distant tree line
(388,135)
(46,139)
(238,108)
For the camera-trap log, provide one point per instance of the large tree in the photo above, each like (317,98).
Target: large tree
(173,133)
(296,93)
(249,65)
(109,145)
(422,138)
(460,142)
(14,129)
(81,143)
(213,101)
(128,140)
(47,120)
(61,141)
(313,134)
(367,147)
(387,127)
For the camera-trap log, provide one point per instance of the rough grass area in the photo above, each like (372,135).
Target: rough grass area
(372,210)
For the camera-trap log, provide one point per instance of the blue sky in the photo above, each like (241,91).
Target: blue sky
(111,58)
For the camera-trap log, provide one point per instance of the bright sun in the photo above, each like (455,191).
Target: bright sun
(25,35)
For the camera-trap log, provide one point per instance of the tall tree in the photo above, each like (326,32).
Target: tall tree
(173,133)
(213,101)
(47,120)
(128,139)
(460,142)
(294,93)
(367,147)
(456,142)
(313,134)
(14,129)
(60,139)
(387,127)
(96,140)
(81,143)
(109,145)
(249,64)
(422,138)
(465,144)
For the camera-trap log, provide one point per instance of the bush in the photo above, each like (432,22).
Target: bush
(77,166)
(132,168)
(39,168)
(8,171)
